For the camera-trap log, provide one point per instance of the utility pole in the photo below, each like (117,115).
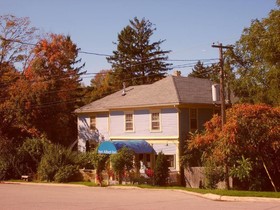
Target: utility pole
(222,95)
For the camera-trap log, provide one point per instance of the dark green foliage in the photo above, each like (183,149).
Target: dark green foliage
(122,161)
(8,161)
(99,161)
(213,174)
(66,173)
(55,159)
(206,72)
(161,172)
(136,60)
(30,154)
(256,61)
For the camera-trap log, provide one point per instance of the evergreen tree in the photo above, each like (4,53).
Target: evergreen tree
(136,60)
(161,170)
(206,72)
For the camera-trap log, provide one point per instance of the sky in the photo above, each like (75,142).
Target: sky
(189,27)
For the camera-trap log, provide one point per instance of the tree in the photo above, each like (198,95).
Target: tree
(101,85)
(256,61)
(99,162)
(14,34)
(14,56)
(249,142)
(161,170)
(205,72)
(122,161)
(137,60)
(41,101)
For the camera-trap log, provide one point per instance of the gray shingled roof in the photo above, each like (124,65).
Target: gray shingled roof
(171,90)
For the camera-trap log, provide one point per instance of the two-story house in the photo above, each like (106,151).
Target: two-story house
(162,114)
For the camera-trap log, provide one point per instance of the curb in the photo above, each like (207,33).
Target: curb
(44,184)
(209,196)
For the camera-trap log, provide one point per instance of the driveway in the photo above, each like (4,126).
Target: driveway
(39,196)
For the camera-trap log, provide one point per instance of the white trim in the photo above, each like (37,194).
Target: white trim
(160,122)
(133,127)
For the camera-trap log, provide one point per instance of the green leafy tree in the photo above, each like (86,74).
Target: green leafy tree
(99,162)
(255,59)
(122,162)
(137,60)
(161,172)
(101,85)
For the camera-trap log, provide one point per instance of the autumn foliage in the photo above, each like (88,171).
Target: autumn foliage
(252,132)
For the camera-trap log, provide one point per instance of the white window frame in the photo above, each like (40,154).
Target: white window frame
(191,118)
(151,120)
(125,121)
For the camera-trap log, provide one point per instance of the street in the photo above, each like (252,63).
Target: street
(38,196)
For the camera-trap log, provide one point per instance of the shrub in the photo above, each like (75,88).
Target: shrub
(122,161)
(30,154)
(66,173)
(8,161)
(161,172)
(55,160)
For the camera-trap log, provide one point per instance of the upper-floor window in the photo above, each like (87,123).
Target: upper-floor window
(92,123)
(193,120)
(129,121)
(155,120)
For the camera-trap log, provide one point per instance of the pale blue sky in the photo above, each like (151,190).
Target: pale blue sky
(189,26)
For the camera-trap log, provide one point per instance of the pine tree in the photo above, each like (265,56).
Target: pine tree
(136,60)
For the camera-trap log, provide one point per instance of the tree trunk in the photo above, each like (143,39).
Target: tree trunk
(226,177)
(120,177)
(268,174)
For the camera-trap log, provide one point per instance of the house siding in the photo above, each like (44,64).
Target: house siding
(84,132)
(168,121)
(204,115)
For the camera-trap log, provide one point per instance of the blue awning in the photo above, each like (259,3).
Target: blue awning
(112,147)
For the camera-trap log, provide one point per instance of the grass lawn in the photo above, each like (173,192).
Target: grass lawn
(238,193)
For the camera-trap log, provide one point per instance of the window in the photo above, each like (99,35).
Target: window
(92,124)
(129,121)
(171,161)
(193,120)
(155,121)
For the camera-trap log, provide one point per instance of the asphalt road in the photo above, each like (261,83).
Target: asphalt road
(30,196)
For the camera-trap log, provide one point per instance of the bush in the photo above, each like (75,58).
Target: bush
(57,160)
(213,174)
(122,161)
(30,154)
(161,172)
(8,161)
(66,173)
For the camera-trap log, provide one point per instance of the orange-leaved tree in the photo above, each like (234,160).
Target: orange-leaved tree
(249,144)
(48,91)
